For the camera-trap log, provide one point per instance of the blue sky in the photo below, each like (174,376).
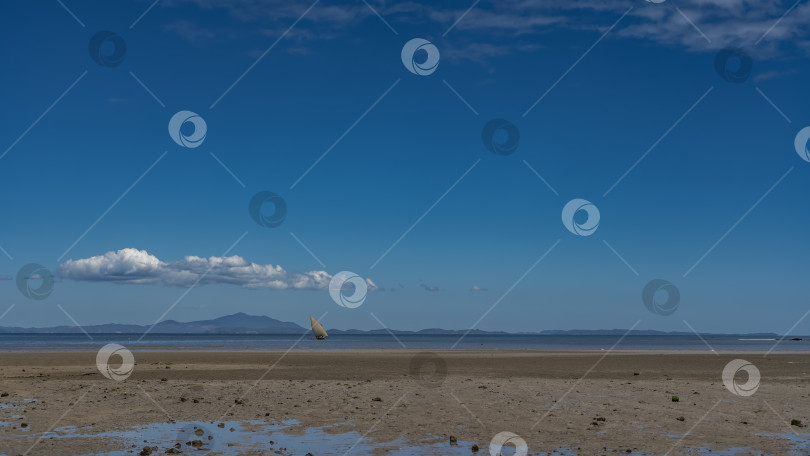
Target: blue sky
(618,79)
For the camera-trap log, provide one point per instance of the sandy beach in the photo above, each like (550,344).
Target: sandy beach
(587,402)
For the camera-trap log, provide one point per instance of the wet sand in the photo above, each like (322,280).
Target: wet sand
(588,402)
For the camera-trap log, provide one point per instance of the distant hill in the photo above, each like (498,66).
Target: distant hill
(241,323)
(641,332)
(431,331)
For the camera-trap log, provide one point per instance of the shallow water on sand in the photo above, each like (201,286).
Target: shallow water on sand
(288,438)
(265,342)
(246,437)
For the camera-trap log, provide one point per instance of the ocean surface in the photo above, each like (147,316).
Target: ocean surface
(255,342)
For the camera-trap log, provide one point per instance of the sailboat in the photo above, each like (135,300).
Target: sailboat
(317,329)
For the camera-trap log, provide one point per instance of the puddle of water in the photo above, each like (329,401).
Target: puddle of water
(799,445)
(9,405)
(239,437)
(235,437)
(800,442)
(703,451)
(17,418)
(9,424)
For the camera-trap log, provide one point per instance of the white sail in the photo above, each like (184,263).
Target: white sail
(317,329)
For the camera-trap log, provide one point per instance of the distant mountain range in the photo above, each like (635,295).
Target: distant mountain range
(241,323)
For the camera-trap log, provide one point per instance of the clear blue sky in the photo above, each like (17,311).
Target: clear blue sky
(594,122)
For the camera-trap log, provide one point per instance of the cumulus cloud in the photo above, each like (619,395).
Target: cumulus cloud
(477,288)
(133,266)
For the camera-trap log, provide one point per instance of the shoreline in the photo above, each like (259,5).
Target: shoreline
(583,401)
(400,351)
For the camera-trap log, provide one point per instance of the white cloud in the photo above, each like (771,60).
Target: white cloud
(753,25)
(749,24)
(768,75)
(514,26)
(477,288)
(133,266)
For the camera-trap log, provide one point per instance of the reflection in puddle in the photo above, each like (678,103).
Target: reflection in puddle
(289,438)
(799,443)
(795,444)
(18,419)
(246,437)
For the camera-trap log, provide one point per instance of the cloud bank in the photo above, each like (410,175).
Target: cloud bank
(133,266)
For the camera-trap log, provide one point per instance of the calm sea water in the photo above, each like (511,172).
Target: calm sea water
(249,342)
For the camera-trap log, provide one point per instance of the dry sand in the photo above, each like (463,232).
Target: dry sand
(623,403)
